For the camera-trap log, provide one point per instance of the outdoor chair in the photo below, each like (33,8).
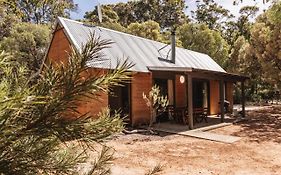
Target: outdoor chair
(200,114)
(225,107)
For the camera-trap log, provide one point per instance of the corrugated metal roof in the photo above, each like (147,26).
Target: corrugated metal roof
(144,53)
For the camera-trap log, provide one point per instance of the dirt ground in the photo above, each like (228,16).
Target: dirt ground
(258,152)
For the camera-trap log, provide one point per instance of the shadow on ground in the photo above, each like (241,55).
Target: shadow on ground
(264,125)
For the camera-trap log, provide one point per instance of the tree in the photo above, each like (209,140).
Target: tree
(108,15)
(7,21)
(210,13)
(243,23)
(41,130)
(172,14)
(114,26)
(249,53)
(41,11)
(243,61)
(149,29)
(240,27)
(265,39)
(27,43)
(200,38)
(167,13)
(237,34)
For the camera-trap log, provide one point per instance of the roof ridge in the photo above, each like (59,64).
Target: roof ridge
(124,33)
(71,20)
(104,28)
(147,39)
(132,35)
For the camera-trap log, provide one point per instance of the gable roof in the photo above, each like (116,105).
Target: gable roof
(144,53)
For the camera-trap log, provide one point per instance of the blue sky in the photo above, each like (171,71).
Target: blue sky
(88,5)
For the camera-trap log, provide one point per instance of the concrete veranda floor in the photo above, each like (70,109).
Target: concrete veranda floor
(200,131)
(213,122)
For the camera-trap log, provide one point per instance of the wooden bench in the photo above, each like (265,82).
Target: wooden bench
(200,114)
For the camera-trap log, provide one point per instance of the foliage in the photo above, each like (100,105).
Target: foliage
(27,42)
(156,102)
(167,13)
(210,13)
(243,57)
(199,37)
(255,52)
(7,21)
(39,122)
(149,29)
(108,15)
(266,39)
(99,165)
(240,27)
(243,22)
(114,26)
(155,170)
(41,11)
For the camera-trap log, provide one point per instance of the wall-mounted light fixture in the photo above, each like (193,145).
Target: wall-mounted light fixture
(182,79)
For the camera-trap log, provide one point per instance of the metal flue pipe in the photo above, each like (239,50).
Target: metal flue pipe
(173,46)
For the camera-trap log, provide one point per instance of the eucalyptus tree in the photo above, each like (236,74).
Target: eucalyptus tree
(149,29)
(166,13)
(211,13)
(199,37)
(108,15)
(40,11)
(265,39)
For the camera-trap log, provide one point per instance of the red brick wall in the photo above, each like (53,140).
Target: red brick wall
(59,49)
(94,106)
(141,83)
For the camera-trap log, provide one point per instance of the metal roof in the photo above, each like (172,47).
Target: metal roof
(144,53)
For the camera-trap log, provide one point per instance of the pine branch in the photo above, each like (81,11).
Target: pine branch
(35,122)
(104,159)
(158,168)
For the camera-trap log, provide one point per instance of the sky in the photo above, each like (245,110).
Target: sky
(88,5)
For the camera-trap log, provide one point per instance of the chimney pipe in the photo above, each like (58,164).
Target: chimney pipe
(173,46)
